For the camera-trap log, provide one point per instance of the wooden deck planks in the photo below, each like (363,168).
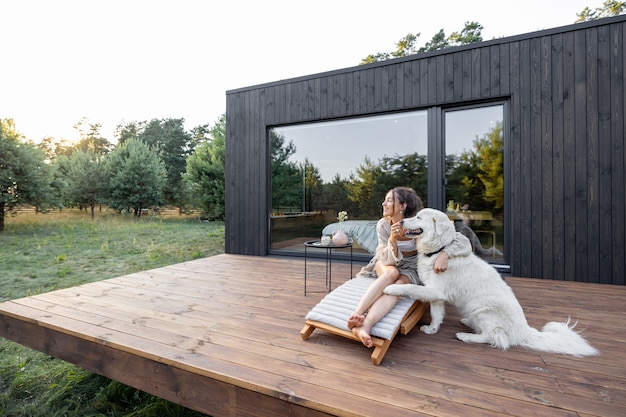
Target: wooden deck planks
(221,335)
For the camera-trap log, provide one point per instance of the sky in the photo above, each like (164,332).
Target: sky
(114,62)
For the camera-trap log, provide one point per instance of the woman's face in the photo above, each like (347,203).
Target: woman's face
(389,205)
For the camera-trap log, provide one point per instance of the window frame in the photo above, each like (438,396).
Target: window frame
(436,168)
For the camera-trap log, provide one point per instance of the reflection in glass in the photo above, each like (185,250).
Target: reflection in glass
(349,165)
(474,144)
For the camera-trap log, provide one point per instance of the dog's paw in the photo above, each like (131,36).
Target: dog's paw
(394,289)
(476,338)
(464,337)
(429,329)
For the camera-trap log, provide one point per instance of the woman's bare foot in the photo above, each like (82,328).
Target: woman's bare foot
(363,335)
(355,320)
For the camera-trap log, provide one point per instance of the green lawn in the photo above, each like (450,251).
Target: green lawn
(45,252)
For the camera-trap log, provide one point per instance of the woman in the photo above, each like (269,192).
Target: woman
(395,261)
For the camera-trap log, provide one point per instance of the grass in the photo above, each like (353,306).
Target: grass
(45,252)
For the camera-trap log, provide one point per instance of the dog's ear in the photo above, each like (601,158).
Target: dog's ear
(439,227)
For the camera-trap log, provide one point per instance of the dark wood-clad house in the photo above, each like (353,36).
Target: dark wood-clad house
(554,98)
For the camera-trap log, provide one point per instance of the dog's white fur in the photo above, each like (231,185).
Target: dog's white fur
(486,303)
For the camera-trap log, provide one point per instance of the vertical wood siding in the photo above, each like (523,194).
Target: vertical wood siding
(565,148)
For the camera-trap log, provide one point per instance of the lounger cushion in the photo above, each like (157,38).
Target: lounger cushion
(335,308)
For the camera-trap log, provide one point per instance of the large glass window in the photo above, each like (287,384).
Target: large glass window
(474,148)
(320,169)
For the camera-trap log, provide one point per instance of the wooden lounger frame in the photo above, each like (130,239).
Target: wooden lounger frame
(410,319)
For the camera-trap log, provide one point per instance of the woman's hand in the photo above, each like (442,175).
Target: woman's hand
(441,262)
(397,231)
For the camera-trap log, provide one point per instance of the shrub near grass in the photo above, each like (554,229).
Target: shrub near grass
(45,252)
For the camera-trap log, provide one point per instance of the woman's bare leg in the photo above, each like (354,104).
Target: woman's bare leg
(379,309)
(387,275)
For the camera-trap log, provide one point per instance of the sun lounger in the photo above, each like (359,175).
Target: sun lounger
(332,312)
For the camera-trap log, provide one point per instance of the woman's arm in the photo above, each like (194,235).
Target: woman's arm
(385,252)
(460,246)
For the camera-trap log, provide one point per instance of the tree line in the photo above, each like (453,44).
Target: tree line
(472,32)
(153,163)
(157,162)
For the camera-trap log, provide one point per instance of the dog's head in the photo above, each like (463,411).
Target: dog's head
(432,229)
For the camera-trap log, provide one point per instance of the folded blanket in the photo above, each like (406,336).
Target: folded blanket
(336,307)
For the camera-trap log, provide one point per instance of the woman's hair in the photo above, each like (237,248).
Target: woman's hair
(408,196)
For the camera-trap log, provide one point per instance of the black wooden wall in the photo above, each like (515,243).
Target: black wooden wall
(566,151)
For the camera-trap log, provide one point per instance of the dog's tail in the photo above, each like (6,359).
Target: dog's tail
(558,338)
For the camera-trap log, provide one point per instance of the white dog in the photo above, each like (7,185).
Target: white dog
(486,303)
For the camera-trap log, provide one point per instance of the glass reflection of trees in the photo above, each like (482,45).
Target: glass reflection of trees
(474,177)
(475,192)
(298,187)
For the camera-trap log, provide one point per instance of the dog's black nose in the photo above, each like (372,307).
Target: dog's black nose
(402,223)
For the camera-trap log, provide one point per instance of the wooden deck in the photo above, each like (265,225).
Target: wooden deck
(222,335)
